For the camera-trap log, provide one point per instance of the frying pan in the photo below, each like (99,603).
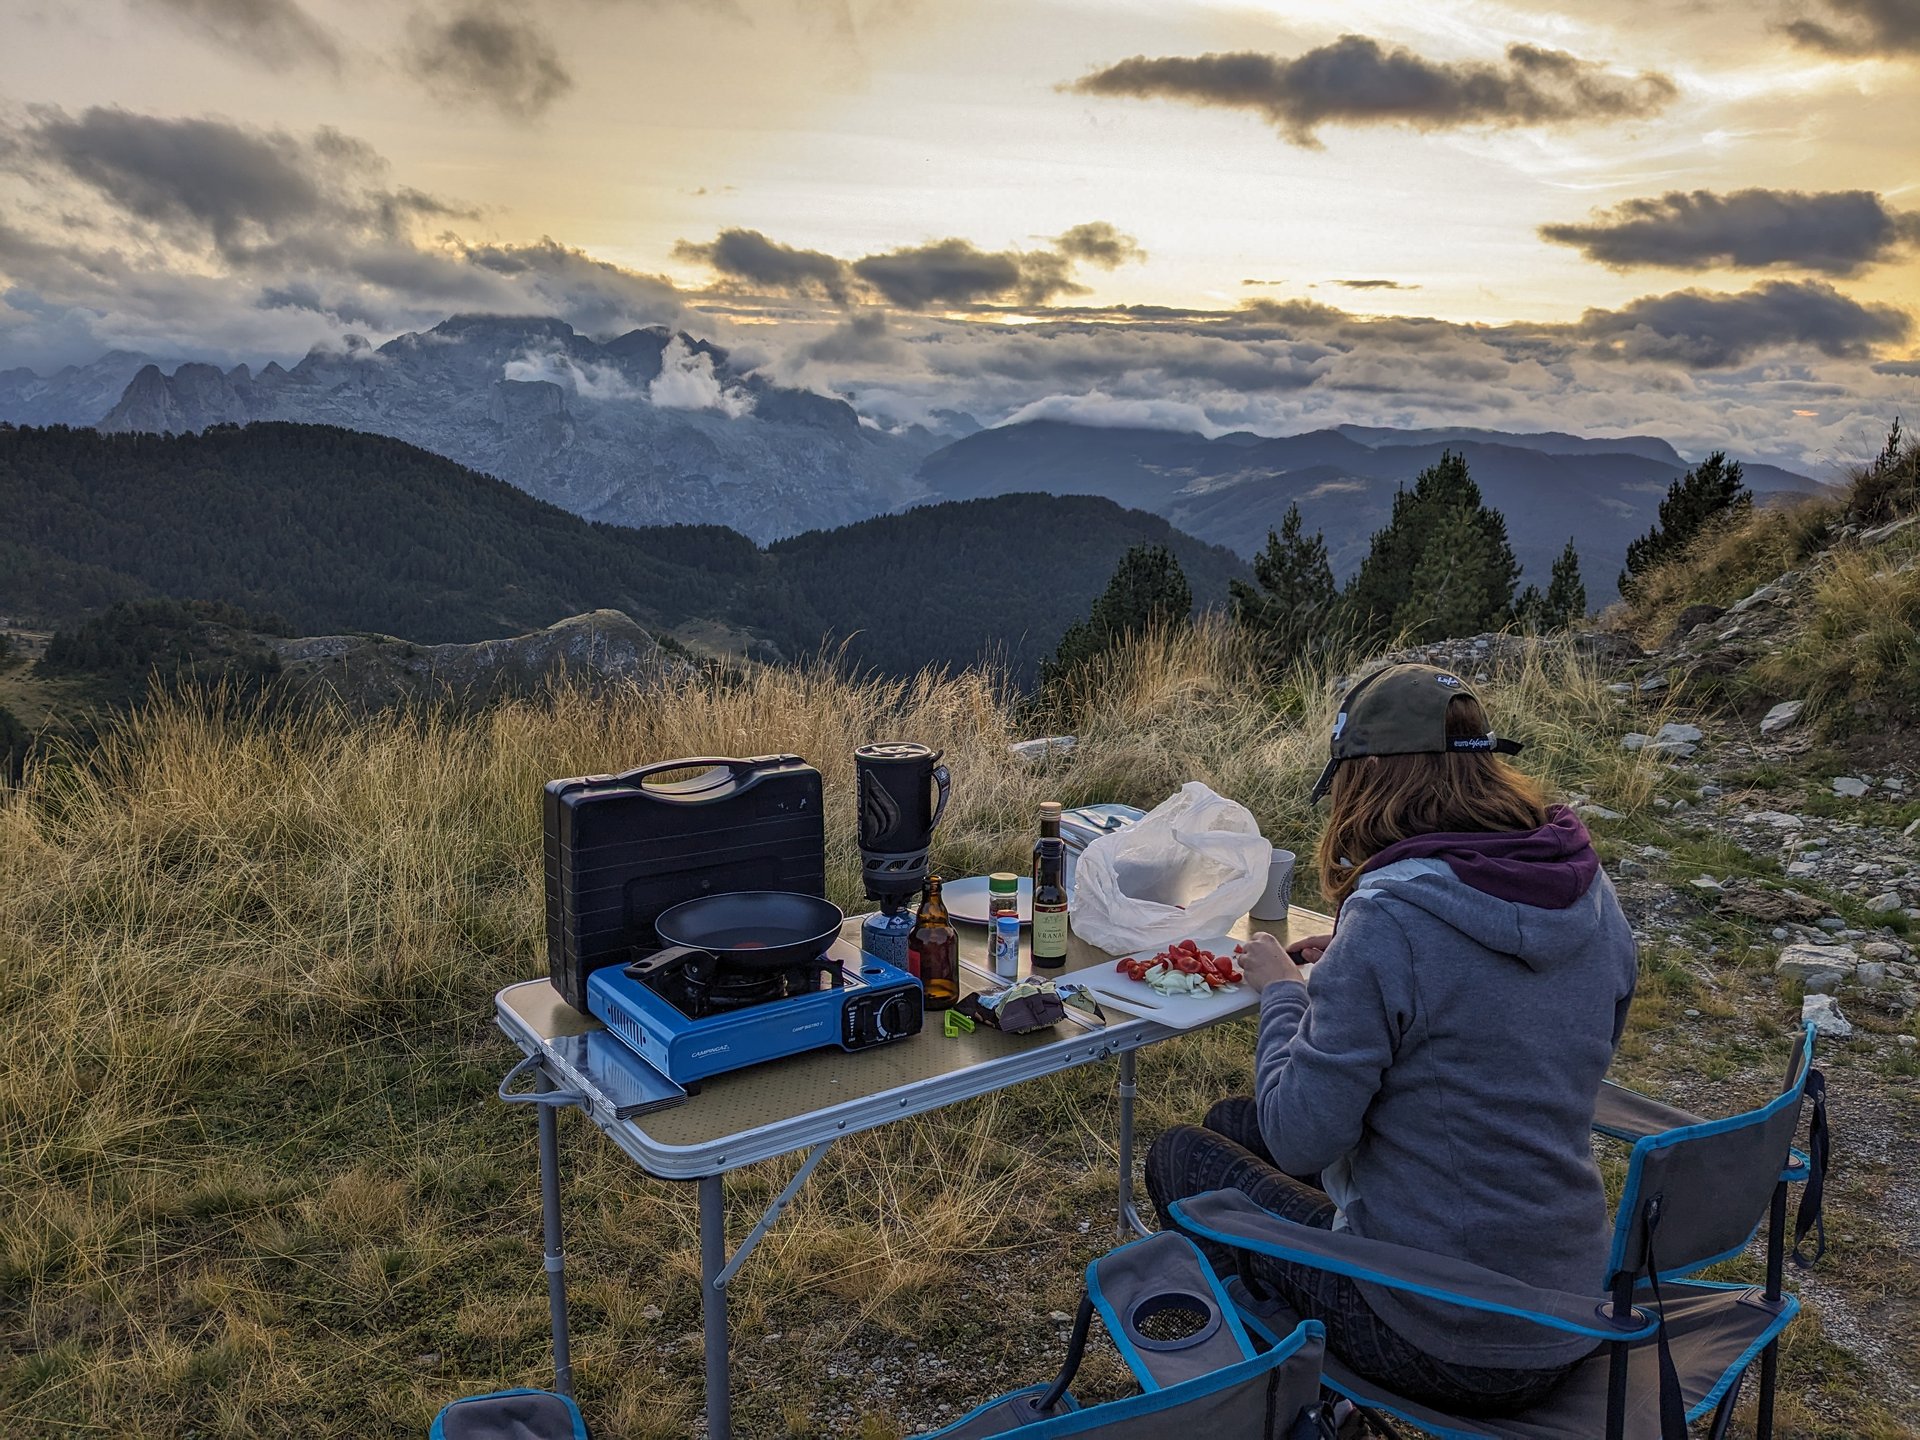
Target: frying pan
(753,929)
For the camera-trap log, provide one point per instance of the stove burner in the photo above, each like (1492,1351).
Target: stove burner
(698,985)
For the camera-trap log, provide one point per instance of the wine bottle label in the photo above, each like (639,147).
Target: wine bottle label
(1050,932)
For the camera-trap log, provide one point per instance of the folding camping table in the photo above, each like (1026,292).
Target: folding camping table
(804,1102)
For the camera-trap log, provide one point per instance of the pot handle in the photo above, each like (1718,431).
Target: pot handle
(942,780)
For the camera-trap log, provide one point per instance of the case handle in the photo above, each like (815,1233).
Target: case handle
(690,789)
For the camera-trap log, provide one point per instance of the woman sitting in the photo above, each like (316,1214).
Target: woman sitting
(1435,1085)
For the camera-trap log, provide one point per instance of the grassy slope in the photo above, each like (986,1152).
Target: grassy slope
(252,1179)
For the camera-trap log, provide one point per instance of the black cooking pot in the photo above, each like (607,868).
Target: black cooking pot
(753,929)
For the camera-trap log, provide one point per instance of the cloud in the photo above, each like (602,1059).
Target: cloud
(955,272)
(244,190)
(862,338)
(942,274)
(484,55)
(1866,27)
(583,378)
(1357,81)
(1837,232)
(1374,285)
(1099,243)
(277,33)
(1107,412)
(687,382)
(199,238)
(750,256)
(1898,367)
(1702,328)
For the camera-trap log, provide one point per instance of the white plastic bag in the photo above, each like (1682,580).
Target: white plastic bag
(1190,867)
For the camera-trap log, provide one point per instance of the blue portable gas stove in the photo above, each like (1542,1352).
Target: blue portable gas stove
(688,912)
(690,1018)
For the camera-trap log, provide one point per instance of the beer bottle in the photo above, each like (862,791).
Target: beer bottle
(1049,892)
(933,950)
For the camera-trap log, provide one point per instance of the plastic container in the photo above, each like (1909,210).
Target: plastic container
(1003,896)
(1006,947)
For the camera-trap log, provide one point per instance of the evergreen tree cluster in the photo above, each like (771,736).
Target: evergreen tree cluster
(1712,489)
(1148,591)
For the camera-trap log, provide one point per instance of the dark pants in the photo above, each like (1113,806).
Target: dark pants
(1228,1153)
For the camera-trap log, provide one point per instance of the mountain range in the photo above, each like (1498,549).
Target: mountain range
(1231,490)
(651,427)
(655,427)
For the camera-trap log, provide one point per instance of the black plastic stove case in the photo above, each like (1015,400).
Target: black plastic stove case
(619,850)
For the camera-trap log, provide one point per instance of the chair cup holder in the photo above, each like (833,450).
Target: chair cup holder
(1172,1320)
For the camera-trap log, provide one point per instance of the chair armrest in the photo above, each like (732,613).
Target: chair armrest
(1228,1217)
(1628,1115)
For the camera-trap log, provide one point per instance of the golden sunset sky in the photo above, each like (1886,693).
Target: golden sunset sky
(1697,220)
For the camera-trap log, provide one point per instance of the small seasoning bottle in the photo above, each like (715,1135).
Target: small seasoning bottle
(1006,947)
(933,950)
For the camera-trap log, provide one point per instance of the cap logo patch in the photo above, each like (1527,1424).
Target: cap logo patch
(1339,724)
(1452,682)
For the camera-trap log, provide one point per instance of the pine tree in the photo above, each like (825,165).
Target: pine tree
(1711,489)
(1566,600)
(1442,566)
(1148,589)
(1291,609)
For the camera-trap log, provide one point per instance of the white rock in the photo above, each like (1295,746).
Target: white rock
(1807,963)
(1885,951)
(1885,903)
(1781,716)
(1849,786)
(1779,819)
(1801,867)
(1709,884)
(1871,975)
(1682,734)
(1823,1013)
(1634,741)
(1034,751)
(1911,831)
(1620,688)
(1597,812)
(1905,1042)
(1652,683)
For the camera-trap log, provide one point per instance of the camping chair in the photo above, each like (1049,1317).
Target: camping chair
(1669,1349)
(1199,1371)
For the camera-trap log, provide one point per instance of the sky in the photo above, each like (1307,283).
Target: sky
(1700,221)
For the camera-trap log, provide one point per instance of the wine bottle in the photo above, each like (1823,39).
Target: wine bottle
(1049,892)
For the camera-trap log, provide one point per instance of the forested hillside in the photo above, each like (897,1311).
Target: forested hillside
(331,530)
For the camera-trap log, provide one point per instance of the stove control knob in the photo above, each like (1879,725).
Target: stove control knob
(895,1017)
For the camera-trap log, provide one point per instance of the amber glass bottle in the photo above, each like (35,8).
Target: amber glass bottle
(1049,892)
(933,950)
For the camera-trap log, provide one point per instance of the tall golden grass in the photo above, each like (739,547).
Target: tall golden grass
(252,1180)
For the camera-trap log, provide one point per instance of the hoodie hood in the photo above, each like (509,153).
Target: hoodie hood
(1550,867)
(1530,894)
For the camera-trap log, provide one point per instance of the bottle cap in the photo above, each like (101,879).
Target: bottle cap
(1008,925)
(1050,809)
(1002,883)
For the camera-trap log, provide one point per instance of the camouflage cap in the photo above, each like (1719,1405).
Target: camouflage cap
(1402,710)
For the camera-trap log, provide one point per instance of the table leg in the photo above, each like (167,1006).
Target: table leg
(555,1259)
(1129,1218)
(713,1306)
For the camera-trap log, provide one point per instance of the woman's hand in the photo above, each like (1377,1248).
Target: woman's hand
(1266,963)
(1306,951)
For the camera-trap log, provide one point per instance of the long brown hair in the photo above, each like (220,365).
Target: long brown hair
(1383,799)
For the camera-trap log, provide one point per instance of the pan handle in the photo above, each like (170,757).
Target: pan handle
(675,958)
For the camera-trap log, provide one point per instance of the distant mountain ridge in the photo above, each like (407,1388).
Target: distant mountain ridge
(332,531)
(1230,491)
(651,427)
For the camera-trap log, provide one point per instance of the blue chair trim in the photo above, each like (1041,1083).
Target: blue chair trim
(1629,1209)
(1040,1389)
(1790,1307)
(1117,1329)
(1648,1323)
(438,1430)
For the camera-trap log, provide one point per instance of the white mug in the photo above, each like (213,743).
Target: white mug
(1274,900)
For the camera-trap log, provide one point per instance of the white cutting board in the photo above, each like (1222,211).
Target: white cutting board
(1180,1012)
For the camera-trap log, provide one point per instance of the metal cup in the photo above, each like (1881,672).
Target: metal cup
(1278,896)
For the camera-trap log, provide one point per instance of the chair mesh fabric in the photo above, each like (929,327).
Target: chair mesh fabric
(1713,1181)
(1715,1331)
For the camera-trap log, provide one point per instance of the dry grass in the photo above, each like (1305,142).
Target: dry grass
(252,1180)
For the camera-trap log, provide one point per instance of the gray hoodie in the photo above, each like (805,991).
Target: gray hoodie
(1440,1072)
